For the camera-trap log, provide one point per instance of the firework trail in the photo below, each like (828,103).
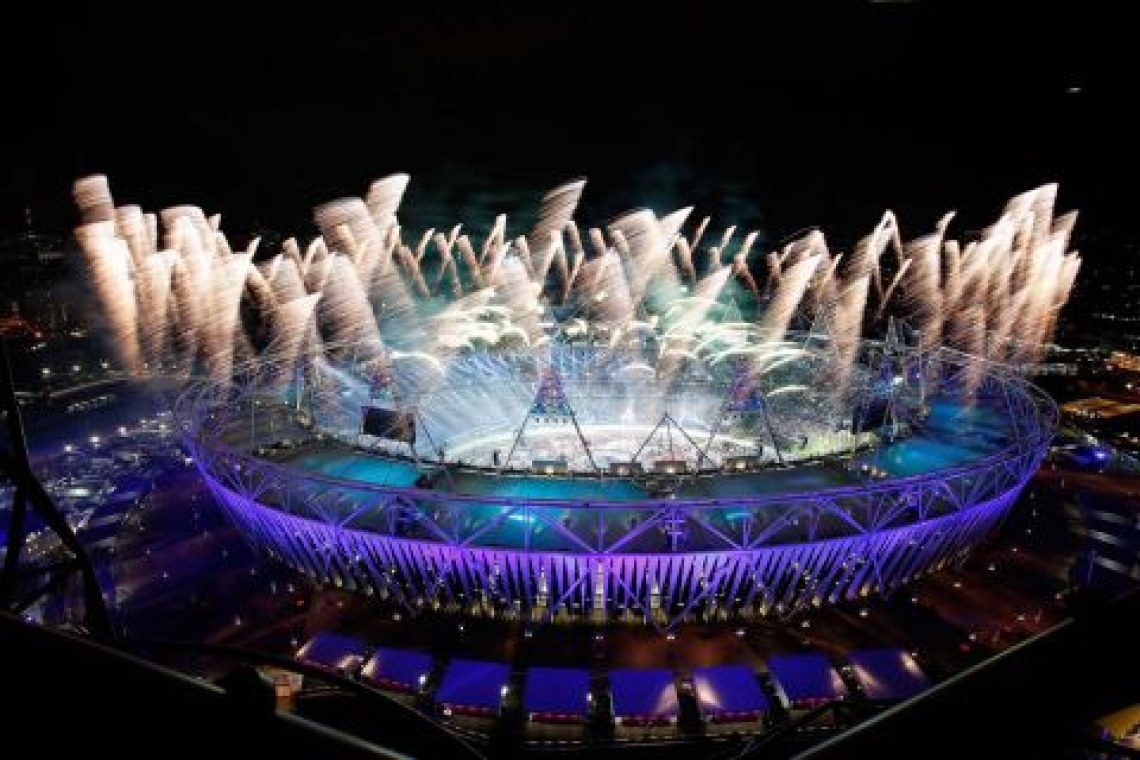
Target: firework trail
(173,288)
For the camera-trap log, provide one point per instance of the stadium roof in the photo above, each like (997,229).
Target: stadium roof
(887,674)
(396,667)
(643,693)
(557,691)
(473,684)
(728,690)
(332,651)
(806,677)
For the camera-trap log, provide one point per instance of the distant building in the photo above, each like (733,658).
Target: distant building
(1050,368)
(36,266)
(13,325)
(1097,408)
(1118,361)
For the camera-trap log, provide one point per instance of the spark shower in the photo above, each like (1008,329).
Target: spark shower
(174,291)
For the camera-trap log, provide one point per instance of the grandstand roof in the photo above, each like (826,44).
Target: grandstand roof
(333,651)
(557,691)
(887,674)
(473,684)
(806,677)
(396,667)
(728,691)
(645,693)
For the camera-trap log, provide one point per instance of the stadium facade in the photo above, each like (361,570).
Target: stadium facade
(576,485)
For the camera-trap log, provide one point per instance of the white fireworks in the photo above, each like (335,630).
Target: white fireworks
(174,291)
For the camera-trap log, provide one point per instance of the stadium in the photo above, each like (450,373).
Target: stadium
(588,481)
(644,422)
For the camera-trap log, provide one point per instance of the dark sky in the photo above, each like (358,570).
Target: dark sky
(820,115)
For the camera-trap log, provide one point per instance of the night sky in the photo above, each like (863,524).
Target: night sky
(787,119)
